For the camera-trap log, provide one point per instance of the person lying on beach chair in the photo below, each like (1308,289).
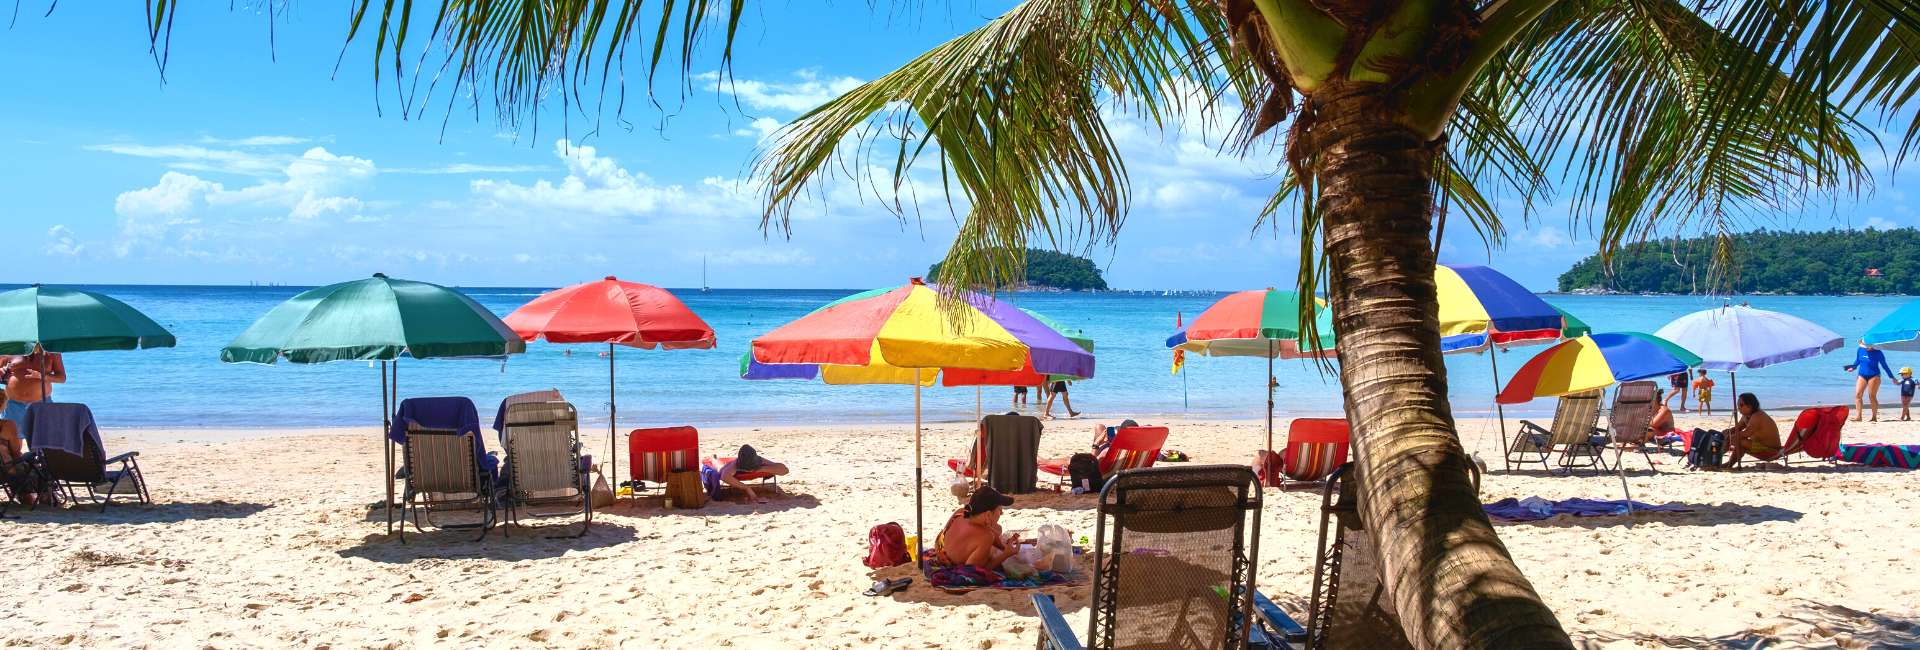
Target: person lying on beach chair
(749,462)
(973,535)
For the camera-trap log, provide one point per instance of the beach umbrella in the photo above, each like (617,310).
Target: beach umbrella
(376,319)
(613,312)
(1595,361)
(1259,323)
(1732,337)
(1026,376)
(1574,327)
(70,320)
(906,328)
(1483,309)
(1899,331)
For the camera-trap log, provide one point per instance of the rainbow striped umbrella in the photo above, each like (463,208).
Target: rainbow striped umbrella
(1480,308)
(883,332)
(1596,361)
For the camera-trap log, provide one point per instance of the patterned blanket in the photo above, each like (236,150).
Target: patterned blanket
(1882,455)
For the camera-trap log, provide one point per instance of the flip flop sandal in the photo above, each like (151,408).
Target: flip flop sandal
(885,587)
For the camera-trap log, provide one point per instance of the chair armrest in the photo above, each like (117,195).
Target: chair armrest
(1527,426)
(1276,618)
(1054,631)
(121,458)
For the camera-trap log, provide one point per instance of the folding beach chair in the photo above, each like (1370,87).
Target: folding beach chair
(1005,453)
(1349,607)
(70,458)
(444,474)
(1575,435)
(544,468)
(1175,557)
(653,454)
(1632,413)
(1315,447)
(1131,448)
(1815,433)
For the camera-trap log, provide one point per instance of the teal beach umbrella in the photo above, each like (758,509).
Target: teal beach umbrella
(1899,331)
(70,320)
(376,319)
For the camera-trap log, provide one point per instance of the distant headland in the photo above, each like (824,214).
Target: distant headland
(1052,270)
(1835,262)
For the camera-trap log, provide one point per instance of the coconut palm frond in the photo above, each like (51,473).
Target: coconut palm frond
(1014,112)
(1863,55)
(1630,98)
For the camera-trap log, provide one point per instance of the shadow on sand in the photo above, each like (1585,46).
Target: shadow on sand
(165,512)
(510,543)
(1700,514)
(1810,625)
(655,506)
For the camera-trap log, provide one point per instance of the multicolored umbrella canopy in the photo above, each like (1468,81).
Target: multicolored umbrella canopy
(1595,361)
(904,327)
(376,319)
(612,311)
(71,320)
(1899,331)
(1737,336)
(1480,307)
(1025,376)
(1572,328)
(1258,323)
(837,375)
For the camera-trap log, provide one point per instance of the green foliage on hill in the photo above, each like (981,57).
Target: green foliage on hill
(1052,270)
(1831,262)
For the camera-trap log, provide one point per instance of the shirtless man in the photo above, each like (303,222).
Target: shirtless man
(749,460)
(26,384)
(973,535)
(1755,433)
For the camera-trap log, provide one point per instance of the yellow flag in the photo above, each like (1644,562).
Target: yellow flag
(1179,360)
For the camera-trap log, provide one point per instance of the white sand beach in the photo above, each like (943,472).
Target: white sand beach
(264,539)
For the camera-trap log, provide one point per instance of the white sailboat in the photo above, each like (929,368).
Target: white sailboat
(703,275)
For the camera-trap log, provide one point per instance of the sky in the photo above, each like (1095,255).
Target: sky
(254,160)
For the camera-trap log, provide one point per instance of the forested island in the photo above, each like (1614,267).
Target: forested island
(1052,270)
(1763,261)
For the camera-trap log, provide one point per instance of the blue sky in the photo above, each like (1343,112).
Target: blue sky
(252,163)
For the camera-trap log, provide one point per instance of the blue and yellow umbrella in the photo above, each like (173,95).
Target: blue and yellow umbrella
(1596,361)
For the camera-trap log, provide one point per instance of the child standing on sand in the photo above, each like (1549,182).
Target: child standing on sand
(1703,392)
(1907,384)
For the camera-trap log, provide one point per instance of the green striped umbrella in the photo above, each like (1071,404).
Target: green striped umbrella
(70,320)
(1573,328)
(376,319)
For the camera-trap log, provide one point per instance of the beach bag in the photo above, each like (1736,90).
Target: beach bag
(602,495)
(1083,473)
(710,479)
(886,546)
(1709,449)
(685,490)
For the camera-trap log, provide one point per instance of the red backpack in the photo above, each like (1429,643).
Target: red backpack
(886,546)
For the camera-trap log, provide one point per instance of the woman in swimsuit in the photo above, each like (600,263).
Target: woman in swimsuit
(1868,362)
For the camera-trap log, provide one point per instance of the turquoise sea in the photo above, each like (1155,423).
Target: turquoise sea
(188,386)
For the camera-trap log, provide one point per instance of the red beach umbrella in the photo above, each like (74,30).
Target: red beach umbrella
(613,312)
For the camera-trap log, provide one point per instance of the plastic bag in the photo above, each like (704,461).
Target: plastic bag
(1016,568)
(1055,547)
(961,488)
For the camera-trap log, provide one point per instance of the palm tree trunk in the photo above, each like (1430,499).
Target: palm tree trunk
(1450,581)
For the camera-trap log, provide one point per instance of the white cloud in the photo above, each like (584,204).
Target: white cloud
(1548,237)
(197,158)
(1879,223)
(764,256)
(174,195)
(759,129)
(60,242)
(469,168)
(172,216)
(808,90)
(1201,198)
(598,185)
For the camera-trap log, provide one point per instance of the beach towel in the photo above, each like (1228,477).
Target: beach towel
(449,413)
(60,425)
(967,577)
(1536,508)
(1882,455)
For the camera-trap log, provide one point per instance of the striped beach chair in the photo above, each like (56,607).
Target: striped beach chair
(1315,447)
(656,453)
(1132,448)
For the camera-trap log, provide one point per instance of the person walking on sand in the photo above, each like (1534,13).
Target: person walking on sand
(1703,392)
(1019,397)
(1060,391)
(1907,384)
(29,378)
(1868,362)
(1677,382)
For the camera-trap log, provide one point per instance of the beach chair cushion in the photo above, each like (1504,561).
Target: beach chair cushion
(657,453)
(1315,447)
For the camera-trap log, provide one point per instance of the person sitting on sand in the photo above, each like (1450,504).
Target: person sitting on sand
(1754,434)
(1662,421)
(973,536)
(749,460)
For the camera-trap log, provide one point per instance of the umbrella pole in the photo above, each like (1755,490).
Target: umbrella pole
(1733,405)
(1493,360)
(919,534)
(1270,382)
(976,403)
(386,445)
(613,416)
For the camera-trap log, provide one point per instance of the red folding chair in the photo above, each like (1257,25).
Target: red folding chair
(1132,447)
(656,453)
(1315,447)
